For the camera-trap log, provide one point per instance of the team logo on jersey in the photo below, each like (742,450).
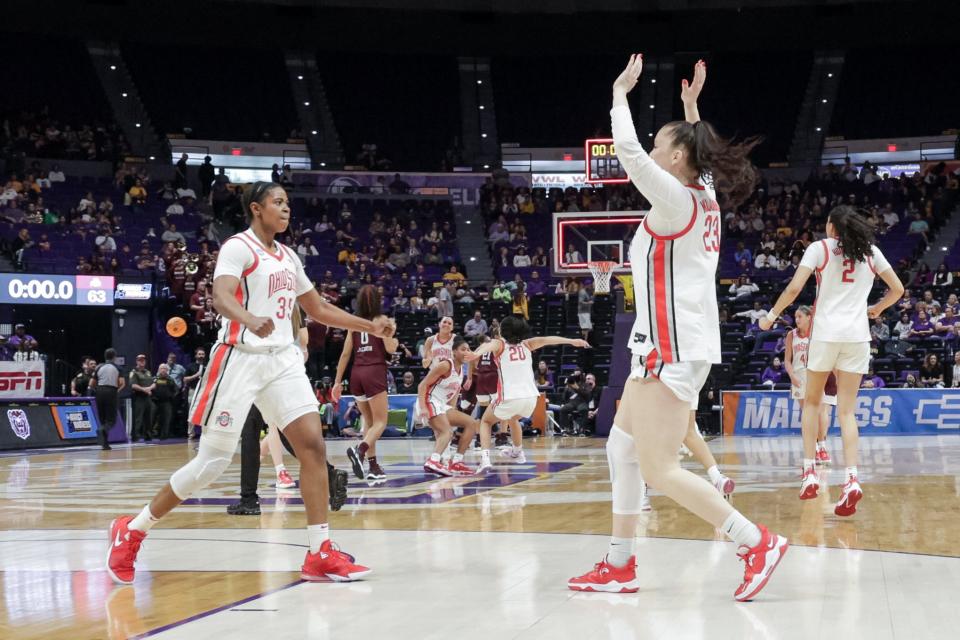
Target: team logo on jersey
(639,337)
(260,252)
(19,423)
(224,419)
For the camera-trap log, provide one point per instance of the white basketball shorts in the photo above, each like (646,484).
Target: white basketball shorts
(522,407)
(684,379)
(275,380)
(852,357)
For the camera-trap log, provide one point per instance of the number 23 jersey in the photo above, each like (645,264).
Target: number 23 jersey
(674,280)
(270,282)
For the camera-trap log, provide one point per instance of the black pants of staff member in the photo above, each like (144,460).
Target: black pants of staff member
(250,456)
(106,411)
(142,417)
(163,412)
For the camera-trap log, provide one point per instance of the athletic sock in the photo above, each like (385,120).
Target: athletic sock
(362,449)
(808,463)
(457,457)
(851,471)
(741,530)
(317,534)
(620,551)
(821,445)
(485,456)
(143,521)
(714,473)
(280,467)
(435,457)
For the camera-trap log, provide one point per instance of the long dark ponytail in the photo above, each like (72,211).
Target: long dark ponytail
(728,162)
(855,232)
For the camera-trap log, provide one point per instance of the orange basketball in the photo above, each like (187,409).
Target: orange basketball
(176,326)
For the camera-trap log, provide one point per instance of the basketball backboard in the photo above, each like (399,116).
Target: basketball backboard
(595,236)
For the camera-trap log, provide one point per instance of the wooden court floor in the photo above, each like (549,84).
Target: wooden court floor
(200,565)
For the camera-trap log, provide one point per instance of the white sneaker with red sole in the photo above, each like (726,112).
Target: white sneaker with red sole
(810,485)
(760,562)
(850,495)
(437,467)
(822,457)
(284,481)
(607,578)
(331,564)
(122,552)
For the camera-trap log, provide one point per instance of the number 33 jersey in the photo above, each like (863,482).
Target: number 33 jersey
(270,282)
(674,281)
(843,287)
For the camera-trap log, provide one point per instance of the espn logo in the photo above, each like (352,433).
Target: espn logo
(25,380)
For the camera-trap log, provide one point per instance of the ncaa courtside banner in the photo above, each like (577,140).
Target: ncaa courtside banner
(878,412)
(22,379)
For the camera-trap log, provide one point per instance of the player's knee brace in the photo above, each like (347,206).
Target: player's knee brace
(625,475)
(205,467)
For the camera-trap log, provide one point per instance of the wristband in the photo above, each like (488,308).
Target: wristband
(771,316)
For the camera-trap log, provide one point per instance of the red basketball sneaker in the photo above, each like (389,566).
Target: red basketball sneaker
(608,578)
(822,456)
(122,552)
(331,564)
(850,495)
(810,484)
(435,466)
(459,469)
(284,481)
(760,562)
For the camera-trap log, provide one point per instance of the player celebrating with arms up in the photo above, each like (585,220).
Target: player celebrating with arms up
(257,284)
(676,337)
(846,263)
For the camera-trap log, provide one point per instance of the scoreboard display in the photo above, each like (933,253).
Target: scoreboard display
(25,288)
(602,165)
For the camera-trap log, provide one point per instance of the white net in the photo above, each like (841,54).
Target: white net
(601,272)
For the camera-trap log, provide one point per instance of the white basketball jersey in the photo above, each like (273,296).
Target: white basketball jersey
(515,366)
(843,287)
(442,350)
(674,280)
(446,388)
(270,282)
(799,345)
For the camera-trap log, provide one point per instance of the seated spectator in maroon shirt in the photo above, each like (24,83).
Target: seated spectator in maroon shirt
(536,286)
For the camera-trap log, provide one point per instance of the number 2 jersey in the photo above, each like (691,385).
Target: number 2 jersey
(843,288)
(270,282)
(674,281)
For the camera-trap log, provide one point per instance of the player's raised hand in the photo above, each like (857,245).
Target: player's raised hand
(627,80)
(384,327)
(260,326)
(690,91)
(582,344)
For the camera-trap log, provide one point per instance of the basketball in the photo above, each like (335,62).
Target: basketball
(176,326)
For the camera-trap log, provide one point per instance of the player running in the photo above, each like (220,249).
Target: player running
(846,264)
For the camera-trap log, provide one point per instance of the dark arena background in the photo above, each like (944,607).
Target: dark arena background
(458,157)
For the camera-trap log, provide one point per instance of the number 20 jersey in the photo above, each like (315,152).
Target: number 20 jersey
(674,280)
(270,282)
(515,368)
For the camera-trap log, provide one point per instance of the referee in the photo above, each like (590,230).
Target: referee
(106,383)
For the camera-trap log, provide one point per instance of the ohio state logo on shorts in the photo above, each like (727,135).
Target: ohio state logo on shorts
(224,419)
(19,423)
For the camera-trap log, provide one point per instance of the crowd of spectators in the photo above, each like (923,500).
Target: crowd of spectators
(41,135)
(20,346)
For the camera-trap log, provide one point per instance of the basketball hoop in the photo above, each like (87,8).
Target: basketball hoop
(601,272)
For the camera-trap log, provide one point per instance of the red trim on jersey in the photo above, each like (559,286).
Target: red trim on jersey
(496,362)
(213,376)
(870,263)
(660,301)
(826,256)
(698,187)
(256,240)
(256,258)
(433,386)
(436,339)
(234,325)
(682,232)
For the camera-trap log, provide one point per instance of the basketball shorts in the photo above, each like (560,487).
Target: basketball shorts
(435,407)
(684,379)
(507,409)
(852,357)
(368,382)
(275,380)
(485,386)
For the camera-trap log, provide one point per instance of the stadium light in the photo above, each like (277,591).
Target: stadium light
(299,77)
(123,95)
(653,81)
(829,75)
(824,101)
(138,125)
(153,157)
(482,107)
(314,132)
(323,164)
(483,135)
(306,104)
(113,67)
(479,81)
(651,106)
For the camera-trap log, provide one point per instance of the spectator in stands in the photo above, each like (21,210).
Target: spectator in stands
(947,327)
(573,412)
(752,314)
(475,326)
(742,253)
(520,301)
(20,244)
(56,174)
(921,329)
(536,286)
(879,331)
(501,293)
(306,249)
(943,277)
(418,302)
(872,380)
(910,382)
(26,351)
(904,327)
(498,232)
(138,194)
(928,298)
(931,372)
(774,373)
(743,289)
(407,384)
(585,310)
(453,275)
(765,259)
(180,173)
(444,304)
(105,242)
(539,258)
(544,377)
(503,260)
(955,371)
(433,257)
(572,255)
(19,337)
(172,235)
(919,227)
(206,173)
(398,186)
(521,259)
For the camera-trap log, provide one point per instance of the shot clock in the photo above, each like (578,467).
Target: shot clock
(23,288)
(602,166)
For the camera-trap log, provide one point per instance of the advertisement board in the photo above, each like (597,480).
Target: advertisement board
(52,422)
(22,379)
(878,412)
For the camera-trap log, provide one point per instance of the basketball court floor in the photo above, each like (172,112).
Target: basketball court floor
(484,557)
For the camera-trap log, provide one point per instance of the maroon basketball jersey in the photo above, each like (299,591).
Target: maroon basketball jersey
(830,386)
(368,350)
(486,365)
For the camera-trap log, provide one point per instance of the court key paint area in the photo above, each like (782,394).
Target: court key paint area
(482,557)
